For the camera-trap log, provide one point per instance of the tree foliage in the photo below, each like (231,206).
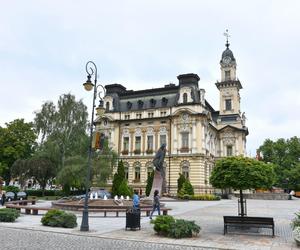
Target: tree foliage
(17,141)
(119,185)
(38,167)
(103,163)
(285,155)
(149,183)
(63,126)
(73,174)
(242,173)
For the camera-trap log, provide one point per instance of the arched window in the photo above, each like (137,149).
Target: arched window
(185,169)
(107,106)
(137,171)
(184,97)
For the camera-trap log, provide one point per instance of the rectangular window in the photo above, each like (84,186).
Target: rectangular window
(229,150)
(163,139)
(137,143)
(150,142)
(137,174)
(185,140)
(227,75)
(126,143)
(228,105)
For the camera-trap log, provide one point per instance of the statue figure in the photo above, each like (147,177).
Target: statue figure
(158,160)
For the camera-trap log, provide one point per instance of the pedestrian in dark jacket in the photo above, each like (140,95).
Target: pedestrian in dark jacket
(156,203)
(3,198)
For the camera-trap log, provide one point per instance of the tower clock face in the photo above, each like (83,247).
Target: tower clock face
(226,60)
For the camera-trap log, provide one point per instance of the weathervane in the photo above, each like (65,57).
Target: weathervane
(226,34)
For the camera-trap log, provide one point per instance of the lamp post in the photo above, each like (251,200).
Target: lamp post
(91,70)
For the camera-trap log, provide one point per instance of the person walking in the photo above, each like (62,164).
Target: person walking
(156,203)
(3,198)
(136,200)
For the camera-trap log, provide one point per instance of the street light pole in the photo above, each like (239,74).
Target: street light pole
(91,69)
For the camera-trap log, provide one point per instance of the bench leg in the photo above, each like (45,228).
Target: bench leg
(273,229)
(27,211)
(165,212)
(33,202)
(35,212)
(117,213)
(147,213)
(104,213)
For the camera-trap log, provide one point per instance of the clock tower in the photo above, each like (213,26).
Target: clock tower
(229,86)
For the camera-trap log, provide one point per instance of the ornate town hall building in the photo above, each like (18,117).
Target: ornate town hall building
(138,122)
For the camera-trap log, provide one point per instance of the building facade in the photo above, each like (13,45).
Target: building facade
(137,123)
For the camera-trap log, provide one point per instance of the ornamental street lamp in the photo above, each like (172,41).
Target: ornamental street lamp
(91,70)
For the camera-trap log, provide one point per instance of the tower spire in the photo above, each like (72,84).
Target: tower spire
(226,34)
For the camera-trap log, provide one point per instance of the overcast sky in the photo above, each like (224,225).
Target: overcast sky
(44,46)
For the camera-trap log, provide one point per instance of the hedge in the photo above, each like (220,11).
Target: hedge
(8,215)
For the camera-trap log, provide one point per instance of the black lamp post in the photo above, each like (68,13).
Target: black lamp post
(91,69)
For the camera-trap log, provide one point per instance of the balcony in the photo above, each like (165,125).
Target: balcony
(184,150)
(125,152)
(149,151)
(137,151)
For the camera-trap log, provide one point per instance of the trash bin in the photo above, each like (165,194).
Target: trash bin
(133,219)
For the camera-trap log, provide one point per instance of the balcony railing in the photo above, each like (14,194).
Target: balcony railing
(184,150)
(137,151)
(125,152)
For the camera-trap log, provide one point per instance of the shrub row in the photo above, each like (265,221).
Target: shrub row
(8,215)
(11,189)
(58,218)
(39,192)
(202,197)
(166,225)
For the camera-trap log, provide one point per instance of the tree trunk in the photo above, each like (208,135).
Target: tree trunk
(242,203)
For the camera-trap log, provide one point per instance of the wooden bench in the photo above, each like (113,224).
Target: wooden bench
(246,221)
(22,202)
(123,209)
(28,209)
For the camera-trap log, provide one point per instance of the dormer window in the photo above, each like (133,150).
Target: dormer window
(152,103)
(140,104)
(184,97)
(107,106)
(129,105)
(164,101)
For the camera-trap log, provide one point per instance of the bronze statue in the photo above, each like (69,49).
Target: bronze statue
(158,160)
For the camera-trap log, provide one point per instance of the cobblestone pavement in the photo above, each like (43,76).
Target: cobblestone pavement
(207,214)
(27,239)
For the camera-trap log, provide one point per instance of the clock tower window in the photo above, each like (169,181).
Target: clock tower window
(228,104)
(227,75)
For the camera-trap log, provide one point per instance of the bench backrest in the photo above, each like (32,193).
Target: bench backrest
(249,220)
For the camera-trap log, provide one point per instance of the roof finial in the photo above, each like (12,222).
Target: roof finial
(227,35)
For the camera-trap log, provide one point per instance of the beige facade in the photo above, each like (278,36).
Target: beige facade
(138,122)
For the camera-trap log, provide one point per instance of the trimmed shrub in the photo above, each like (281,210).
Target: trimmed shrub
(183,228)
(11,189)
(202,197)
(296,221)
(8,215)
(166,225)
(187,188)
(119,177)
(124,189)
(180,182)
(162,224)
(58,218)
